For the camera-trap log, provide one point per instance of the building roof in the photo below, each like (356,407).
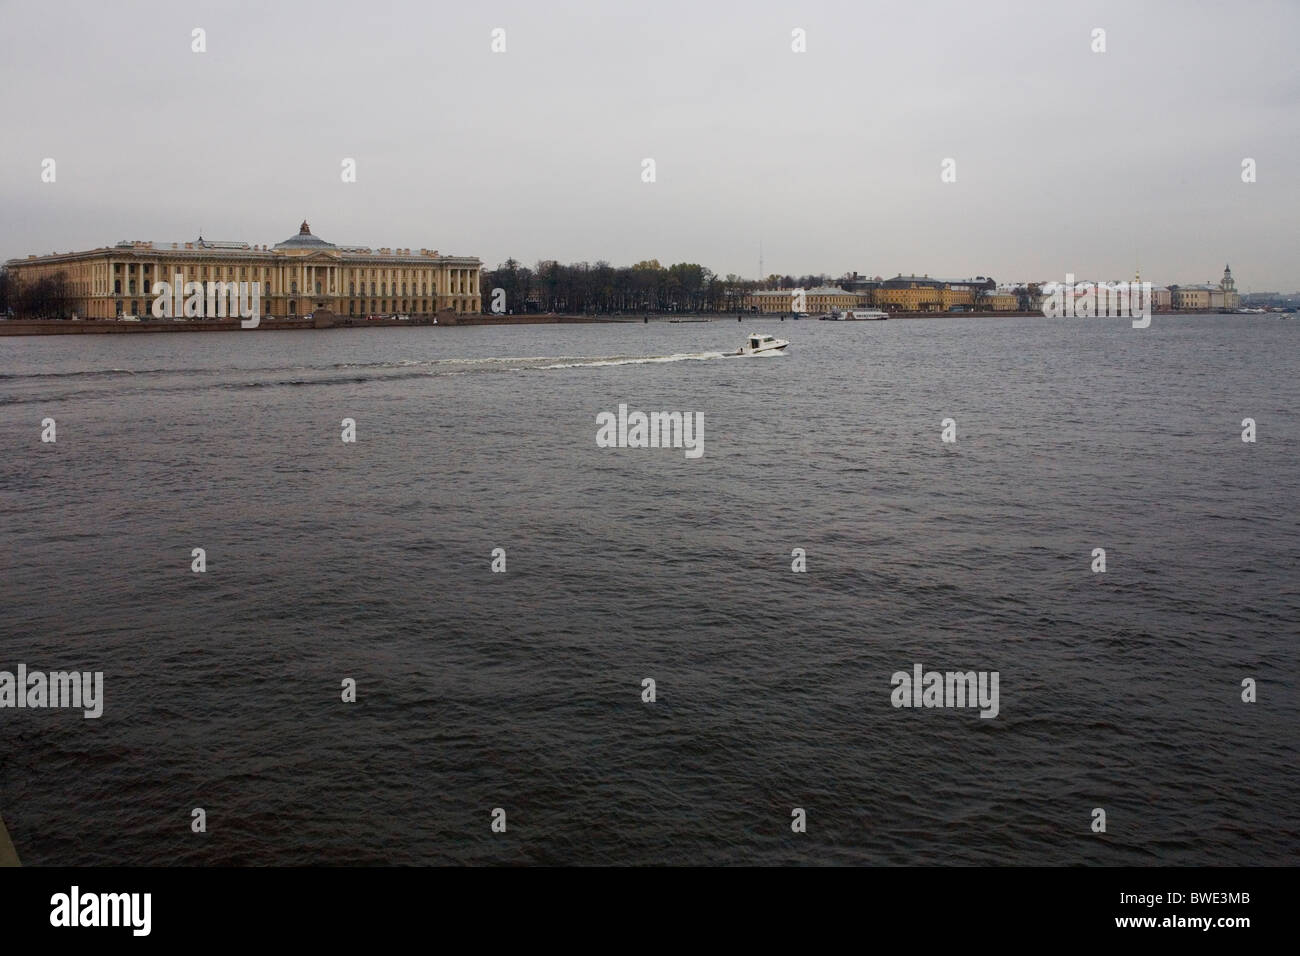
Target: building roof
(820,290)
(304,240)
(902,280)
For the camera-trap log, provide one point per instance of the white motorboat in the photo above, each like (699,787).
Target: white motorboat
(759,342)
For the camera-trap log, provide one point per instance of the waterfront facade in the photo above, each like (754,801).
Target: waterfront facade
(1208,296)
(300,275)
(899,294)
(1001,301)
(923,294)
(817,301)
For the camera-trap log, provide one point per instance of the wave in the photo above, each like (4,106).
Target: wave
(335,373)
(555,362)
(637,360)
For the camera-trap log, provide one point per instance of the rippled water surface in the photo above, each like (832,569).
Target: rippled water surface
(522,690)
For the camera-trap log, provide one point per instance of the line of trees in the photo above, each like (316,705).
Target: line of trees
(48,297)
(581,287)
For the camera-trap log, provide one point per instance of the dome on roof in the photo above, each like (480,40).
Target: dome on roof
(304,240)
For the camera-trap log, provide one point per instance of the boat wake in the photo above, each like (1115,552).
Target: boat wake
(634,360)
(35,387)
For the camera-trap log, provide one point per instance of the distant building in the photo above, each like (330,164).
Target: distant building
(1000,301)
(816,301)
(922,294)
(1207,296)
(827,298)
(852,282)
(296,276)
(1162,299)
(771,301)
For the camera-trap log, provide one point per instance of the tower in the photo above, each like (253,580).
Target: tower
(1228,284)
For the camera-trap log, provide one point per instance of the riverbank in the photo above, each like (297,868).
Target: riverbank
(277,324)
(328,321)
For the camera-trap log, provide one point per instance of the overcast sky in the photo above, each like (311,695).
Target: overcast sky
(1066,159)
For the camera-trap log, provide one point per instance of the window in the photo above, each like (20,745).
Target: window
(117,290)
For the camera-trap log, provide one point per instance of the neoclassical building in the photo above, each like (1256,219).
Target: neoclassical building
(300,275)
(1208,296)
(912,293)
(824,298)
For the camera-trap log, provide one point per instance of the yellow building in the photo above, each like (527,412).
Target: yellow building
(1192,297)
(921,294)
(815,301)
(1001,301)
(300,275)
(1208,296)
(826,298)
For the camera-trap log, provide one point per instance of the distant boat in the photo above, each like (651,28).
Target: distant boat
(759,343)
(856,315)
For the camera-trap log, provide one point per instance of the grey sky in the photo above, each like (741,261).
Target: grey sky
(1067,160)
